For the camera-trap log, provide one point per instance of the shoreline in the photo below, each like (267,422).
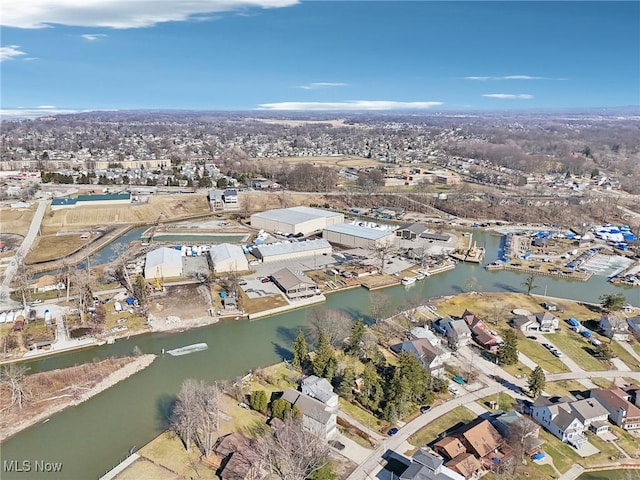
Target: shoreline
(136,365)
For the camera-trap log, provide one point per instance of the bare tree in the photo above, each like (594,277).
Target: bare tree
(521,435)
(336,324)
(382,252)
(293,453)
(13,378)
(196,414)
(379,306)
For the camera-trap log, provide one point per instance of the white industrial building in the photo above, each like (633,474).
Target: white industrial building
(290,250)
(295,220)
(355,236)
(163,262)
(228,258)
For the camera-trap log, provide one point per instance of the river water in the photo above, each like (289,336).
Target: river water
(90,438)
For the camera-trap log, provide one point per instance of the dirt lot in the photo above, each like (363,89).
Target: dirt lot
(169,206)
(172,302)
(342,161)
(260,201)
(52,247)
(16,221)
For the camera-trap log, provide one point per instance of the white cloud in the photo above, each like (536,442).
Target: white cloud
(317,85)
(512,77)
(30,59)
(41,111)
(349,105)
(93,36)
(10,52)
(509,96)
(119,13)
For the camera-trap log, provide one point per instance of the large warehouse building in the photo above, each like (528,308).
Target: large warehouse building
(355,236)
(303,220)
(228,258)
(287,251)
(163,263)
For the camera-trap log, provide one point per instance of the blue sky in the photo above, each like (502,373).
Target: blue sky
(279,54)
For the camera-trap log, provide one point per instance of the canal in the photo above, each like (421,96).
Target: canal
(90,438)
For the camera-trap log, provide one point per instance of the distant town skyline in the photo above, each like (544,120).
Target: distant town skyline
(282,55)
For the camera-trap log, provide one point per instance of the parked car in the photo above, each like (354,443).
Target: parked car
(532,337)
(337,445)
(393,431)
(425,409)
(557,353)
(453,390)
(548,346)
(242,283)
(459,380)
(37,301)
(243,405)
(265,280)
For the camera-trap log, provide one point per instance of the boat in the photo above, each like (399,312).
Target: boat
(408,280)
(196,347)
(420,276)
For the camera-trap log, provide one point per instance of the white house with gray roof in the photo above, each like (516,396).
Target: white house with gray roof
(320,389)
(317,417)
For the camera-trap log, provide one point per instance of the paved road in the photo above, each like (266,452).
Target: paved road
(22,251)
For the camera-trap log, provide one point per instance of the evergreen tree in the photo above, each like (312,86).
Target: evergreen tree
(357,333)
(280,408)
(411,370)
(537,381)
(371,391)
(259,401)
(347,382)
(300,352)
(324,362)
(508,350)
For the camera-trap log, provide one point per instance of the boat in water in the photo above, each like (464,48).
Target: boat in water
(408,280)
(196,347)
(420,276)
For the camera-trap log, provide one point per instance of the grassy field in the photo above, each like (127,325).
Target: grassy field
(52,247)
(253,305)
(577,349)
(166,207)
(518,370)
(430,432)
(16,220)
(540,355)
(625,356)
(491,307)
(626,441)
(563,387)
(337,162)
(505,401)
(361,415)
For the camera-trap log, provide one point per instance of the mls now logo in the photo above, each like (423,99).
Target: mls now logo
(26,466)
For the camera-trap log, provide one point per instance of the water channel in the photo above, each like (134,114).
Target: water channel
(90,438)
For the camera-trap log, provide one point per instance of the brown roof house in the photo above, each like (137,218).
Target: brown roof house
(482,439)
(449,447)
(465,464)
(622,411)
(240,460)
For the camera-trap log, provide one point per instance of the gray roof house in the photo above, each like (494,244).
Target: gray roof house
(614,327)
(634,325)
(294,284)
(433,358)
(548,322)
(317,417)
(411,231)
(426,466)
(458,332)
(567,419)
(320,389)
(525,323)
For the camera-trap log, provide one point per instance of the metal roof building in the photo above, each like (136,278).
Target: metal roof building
(228,258)
(274,252)
(294,284)
(163,262)
(303,220)
(355,236)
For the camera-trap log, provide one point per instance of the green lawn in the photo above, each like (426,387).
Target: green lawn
(576,348)
(505,402)
(626,441)
(636,347)
(361,415)
(541,356)
(563,455)
(430,432)
(602,382)
(563,387)
(518,370)
(625,356)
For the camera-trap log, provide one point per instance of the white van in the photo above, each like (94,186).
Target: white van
(454,390)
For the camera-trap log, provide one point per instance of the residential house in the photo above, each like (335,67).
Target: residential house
(424,332)
(504,423)
(557,416)
(240,458)
(480,331)
(547,321)
(425,466)
(230,195)
(552,307)
(592,414)
(614,327)
(46,283)
(483,440)
(433,358)
(465,464)
(316,416)
(215,200)
(320,389)
(525,323)
(456,331)
(618,403)
(411,231)
(634,325)
(449,447)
